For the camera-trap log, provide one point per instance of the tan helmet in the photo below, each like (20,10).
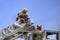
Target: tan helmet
(25,10)
(39,25)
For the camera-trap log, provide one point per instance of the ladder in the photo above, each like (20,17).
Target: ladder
(11,31)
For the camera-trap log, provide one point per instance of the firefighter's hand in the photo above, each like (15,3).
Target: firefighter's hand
(17,16)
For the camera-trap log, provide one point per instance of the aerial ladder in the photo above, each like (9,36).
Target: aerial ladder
(13,30)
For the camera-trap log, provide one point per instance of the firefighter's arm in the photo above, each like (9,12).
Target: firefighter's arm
(17,15)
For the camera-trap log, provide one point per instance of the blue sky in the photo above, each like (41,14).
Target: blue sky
(45,12)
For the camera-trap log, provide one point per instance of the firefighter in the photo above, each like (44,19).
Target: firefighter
(22,15)
(39,27)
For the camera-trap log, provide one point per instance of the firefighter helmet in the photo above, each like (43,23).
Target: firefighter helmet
(25,10)
(39,26)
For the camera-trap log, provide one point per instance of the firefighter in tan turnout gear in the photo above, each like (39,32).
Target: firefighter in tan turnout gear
(22,15)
